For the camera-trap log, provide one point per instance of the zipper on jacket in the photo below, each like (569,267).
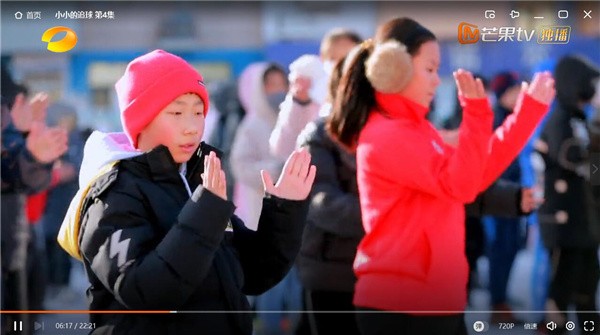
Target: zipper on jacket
(182,172)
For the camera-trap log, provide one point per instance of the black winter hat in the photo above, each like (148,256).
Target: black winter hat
(574,76)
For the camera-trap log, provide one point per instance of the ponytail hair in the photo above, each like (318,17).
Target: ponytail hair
(384,65)
(354,99)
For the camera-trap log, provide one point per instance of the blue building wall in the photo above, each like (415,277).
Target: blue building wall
(237,59)
(494,57)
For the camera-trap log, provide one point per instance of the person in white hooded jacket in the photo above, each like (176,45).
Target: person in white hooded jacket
(262,88)
(308,97)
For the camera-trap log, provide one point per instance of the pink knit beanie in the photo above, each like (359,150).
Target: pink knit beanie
(150,83)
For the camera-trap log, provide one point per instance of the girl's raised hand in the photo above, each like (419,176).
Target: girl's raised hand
(541,87)
(469,87)
(296,178)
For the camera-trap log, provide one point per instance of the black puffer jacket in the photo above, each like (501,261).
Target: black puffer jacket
(570,214)
(334,226)
(148,246)
(501,199)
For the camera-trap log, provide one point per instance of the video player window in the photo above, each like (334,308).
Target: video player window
(300,167)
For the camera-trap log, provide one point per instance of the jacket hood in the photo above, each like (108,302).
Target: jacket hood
(574,77)
(245,83)
(252,93)
(102,149)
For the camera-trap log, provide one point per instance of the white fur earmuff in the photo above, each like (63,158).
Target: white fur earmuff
(389,68)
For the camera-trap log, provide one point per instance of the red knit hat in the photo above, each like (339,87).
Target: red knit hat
(150,83)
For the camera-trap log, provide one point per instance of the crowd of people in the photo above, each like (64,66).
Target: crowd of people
(325,190)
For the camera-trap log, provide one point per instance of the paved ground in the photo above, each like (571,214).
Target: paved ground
(74,300)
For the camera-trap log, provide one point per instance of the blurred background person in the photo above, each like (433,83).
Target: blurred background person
(505,236)
(230,113)
(264,88)
(65,184)
(28,151)
(310,96)
(250,150)
(34,206)
(332,233)
(505,200)
(307,100)
(570,216)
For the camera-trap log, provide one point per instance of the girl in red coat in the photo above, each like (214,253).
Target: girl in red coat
(412,185)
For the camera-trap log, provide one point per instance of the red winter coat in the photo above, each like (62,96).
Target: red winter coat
(413,188)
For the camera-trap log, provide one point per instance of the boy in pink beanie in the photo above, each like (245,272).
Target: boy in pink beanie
(152,222)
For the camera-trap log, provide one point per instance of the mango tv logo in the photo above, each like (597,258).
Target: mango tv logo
(468,33)
(63,45)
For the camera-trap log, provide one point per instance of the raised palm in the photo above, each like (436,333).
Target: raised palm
(468,86)
(46,144)
(541,87)
(24,114)
(295,180)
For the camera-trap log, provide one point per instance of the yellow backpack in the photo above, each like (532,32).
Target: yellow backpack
(68,235)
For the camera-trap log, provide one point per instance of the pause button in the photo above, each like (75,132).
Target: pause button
(18,326)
